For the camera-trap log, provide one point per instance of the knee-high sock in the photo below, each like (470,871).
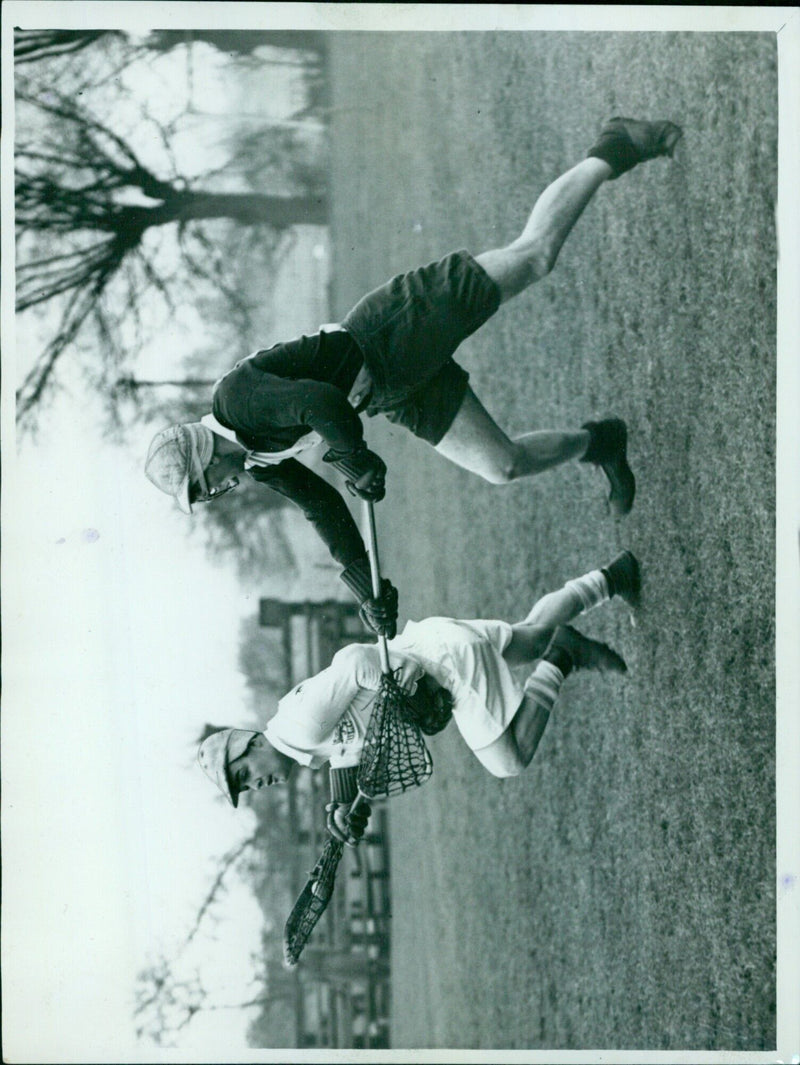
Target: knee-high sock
(544,684)
(591,589)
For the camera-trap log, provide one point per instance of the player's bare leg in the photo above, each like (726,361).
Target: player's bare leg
(533,254)
(545,634)
(622,144)
(568,650)
(474,441)
(531,636)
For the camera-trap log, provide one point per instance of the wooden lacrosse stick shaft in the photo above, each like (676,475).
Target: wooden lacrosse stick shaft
(375,573)
(396,736)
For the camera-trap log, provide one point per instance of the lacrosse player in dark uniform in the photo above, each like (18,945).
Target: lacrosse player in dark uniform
(393,354)
(466,663)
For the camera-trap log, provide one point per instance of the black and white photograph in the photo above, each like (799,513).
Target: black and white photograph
(401,528)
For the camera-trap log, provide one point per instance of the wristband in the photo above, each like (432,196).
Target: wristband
(358,579)
(344,783)
(351,463)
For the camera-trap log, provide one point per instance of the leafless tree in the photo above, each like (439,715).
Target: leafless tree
(35,45)
(171,991)
(85,203)
(167,1003)
(31,46)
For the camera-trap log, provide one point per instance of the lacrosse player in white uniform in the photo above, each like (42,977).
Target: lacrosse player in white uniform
(324,719)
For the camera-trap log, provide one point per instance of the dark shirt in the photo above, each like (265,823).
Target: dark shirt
(274,397)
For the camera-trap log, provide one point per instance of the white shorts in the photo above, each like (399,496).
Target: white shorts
(466,657)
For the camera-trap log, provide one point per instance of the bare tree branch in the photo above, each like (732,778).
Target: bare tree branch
(79,306)
(34,45)
(227,861)
(259,1000)
(79,229)
(240,308)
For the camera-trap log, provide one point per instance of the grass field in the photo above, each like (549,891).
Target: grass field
(621,892)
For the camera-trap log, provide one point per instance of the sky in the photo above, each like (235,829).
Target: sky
(120,640)
(115,679)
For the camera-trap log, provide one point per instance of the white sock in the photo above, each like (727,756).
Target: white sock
(591,589)
(544,685)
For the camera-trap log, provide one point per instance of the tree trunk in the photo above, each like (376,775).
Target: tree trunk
(242,42)
(134,383)
(248,208)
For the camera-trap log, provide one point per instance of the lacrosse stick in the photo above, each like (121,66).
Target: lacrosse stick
(394,756)
(313,899)
(429,715)
(311,902)
(393,759)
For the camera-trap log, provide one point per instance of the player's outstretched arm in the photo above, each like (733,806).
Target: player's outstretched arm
(327,511)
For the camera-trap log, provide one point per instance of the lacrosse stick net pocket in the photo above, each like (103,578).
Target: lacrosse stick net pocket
(394,757)
(312,903)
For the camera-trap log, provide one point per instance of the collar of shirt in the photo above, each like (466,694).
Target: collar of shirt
(261,458)
(211,423)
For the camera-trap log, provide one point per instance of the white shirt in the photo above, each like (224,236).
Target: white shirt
(325,717)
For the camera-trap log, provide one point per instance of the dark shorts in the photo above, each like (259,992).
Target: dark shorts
(408,330)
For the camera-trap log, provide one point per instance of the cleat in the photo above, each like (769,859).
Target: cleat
(608,446)
(585,653)
(624,578)
(625,142)
(647,139)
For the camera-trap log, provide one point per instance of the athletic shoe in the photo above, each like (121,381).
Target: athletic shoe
(624,578)
(608,447)
(624,142)
(585,653)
